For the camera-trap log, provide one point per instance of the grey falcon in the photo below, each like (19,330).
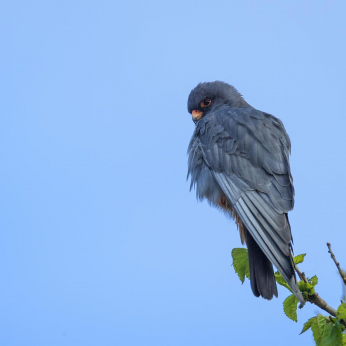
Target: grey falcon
(238,159)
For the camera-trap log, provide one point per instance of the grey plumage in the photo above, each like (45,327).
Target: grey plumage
(242,154)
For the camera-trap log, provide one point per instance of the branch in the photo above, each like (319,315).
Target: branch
(341,272)
(315,298)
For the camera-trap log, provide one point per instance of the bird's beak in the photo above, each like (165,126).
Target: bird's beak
(196,115)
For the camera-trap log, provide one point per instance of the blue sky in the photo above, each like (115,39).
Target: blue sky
(101,241)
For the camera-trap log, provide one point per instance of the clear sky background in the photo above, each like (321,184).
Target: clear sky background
(101,241)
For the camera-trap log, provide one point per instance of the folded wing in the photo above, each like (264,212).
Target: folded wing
(247,152)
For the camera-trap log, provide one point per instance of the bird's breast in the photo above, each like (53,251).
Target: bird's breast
(201,176)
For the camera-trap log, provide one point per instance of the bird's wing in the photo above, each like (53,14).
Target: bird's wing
(247,152)
(252,146)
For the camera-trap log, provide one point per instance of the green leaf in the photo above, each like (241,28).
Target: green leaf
(247,271)
(307,288)
(332,335)
(341,312)
(332,319)
(307,325)
(241,263)
(281,281)
(299,259)
(343,339)
(317,328)
(313,280)
(290,307)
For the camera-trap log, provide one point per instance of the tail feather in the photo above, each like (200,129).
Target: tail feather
(270,237)
(261,271)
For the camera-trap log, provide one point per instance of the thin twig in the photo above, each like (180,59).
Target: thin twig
(315,298)
(341,272)
(300,274)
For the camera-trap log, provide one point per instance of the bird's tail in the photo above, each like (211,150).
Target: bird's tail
(270,234)
(261,271)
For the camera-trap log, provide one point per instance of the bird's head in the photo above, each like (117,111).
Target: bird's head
(206,97)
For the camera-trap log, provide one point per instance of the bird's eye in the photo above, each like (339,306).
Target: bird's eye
(206,102)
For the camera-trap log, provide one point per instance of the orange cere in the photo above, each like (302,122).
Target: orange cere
(196,115)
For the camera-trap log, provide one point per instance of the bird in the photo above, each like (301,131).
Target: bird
(238,160)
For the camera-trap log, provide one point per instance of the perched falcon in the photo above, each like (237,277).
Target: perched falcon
(239,161)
